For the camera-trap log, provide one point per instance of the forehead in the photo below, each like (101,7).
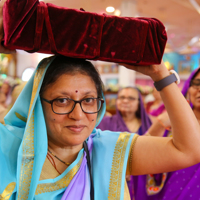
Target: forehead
(128,92)
(69,83)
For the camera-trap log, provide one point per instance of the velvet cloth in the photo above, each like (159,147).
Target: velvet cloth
(34,26)
(181,184)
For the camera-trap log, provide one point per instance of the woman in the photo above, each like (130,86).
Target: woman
(130,117)
(181,184)
(156,107)
(41,131)
(54,120)
(6,89)
(130,113)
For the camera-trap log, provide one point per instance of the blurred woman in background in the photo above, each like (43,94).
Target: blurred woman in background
(130,117)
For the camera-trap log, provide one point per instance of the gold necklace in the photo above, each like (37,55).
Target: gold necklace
(58,158)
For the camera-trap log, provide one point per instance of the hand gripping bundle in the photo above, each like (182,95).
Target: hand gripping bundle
(34,26)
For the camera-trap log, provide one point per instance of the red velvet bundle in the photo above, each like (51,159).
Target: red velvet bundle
(34,26)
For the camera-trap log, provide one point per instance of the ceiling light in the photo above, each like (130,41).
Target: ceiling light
(117,12)
(110,9)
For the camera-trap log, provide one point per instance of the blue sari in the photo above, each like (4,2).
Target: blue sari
(23,150)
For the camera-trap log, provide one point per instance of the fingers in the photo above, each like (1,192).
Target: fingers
(133,67)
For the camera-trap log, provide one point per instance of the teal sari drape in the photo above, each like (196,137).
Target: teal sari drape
(23,150)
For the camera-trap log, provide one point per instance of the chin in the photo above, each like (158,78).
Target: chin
(75,140)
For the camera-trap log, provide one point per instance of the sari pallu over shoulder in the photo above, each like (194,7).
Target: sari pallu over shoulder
(23,152)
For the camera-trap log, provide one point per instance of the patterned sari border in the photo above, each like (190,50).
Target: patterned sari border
(62,183)
(28,141)
(8,191)
(117,166)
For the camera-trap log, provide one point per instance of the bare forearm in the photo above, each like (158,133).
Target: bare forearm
(186,131)
(156,129)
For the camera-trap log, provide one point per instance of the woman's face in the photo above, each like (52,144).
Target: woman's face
(194,94)
(73,128)
(128,101)
(5,88)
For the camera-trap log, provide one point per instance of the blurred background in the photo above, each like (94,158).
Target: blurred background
(180,17)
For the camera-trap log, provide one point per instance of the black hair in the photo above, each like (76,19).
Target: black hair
(65,65)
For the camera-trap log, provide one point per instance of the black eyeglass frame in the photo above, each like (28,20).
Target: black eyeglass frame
(75,102)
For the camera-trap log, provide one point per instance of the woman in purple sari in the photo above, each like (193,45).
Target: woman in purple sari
(130,113)
(181,184)
(50,147)
(130,117)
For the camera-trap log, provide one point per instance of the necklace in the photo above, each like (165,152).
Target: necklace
(58,158)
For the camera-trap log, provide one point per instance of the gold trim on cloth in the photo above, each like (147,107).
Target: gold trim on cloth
(20,117)
(38,75)
(27,160)
(8,191)
(62,183)
(130,157)
(117,166)
(28,142)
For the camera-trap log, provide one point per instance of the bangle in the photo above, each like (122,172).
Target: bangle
(162,124)
(173,77)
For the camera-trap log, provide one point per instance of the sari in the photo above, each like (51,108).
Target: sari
(177,185)
(116,123)
(23,150)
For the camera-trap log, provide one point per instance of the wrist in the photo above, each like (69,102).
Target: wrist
(157,76)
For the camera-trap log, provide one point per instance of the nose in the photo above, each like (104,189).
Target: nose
(77,112)
(125,100)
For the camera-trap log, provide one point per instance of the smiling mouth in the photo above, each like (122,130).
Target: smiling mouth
(76,129)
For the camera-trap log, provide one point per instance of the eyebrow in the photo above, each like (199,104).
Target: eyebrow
(69,93)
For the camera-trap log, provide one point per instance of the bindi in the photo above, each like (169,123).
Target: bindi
(76,91)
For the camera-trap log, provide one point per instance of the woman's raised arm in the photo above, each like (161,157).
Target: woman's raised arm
(152,155)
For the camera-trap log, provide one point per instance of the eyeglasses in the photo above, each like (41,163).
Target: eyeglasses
(64,106)
(195,83)
(121,98)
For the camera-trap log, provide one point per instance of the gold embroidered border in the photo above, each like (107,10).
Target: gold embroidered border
(130,157)
(62,183)
(117,166)
(28,142)
(38,75)
(8,191)
(27,160)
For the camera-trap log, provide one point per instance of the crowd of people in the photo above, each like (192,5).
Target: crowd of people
(57,143)
(134,116)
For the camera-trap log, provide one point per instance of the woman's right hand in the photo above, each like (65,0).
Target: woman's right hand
(156,72)
(2,48)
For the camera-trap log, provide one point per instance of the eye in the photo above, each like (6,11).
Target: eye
(62,102)
(89,101)
(132,98)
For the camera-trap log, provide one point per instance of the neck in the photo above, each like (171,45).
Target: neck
(132,122)
(129,117)
(65,153)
